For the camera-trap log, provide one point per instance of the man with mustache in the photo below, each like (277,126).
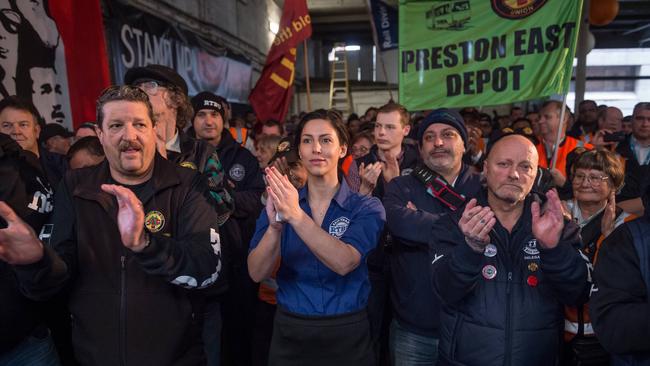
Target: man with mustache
(504,266)
(131,239)
(412,207)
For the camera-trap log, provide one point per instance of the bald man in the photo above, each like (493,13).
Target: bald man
(504,265)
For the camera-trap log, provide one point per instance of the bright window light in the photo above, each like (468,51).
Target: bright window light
(274,27)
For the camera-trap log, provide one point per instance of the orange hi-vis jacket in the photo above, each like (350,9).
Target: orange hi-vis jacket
(240,135)
(568,145)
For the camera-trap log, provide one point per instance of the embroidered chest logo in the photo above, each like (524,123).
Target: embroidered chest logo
(237,172)
(42,199)
(154,221)
(339,226)
(531,247)
(406,171)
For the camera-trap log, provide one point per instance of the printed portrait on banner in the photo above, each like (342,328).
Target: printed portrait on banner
(32,59)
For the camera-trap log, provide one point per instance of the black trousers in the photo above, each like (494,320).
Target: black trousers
(339,340)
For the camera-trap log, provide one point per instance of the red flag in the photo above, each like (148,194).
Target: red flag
(271,95)
(82,30)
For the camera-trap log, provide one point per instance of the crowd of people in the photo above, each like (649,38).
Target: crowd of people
(171,232)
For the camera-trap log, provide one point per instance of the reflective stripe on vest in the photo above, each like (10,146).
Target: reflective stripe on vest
(240,135)
(572,328)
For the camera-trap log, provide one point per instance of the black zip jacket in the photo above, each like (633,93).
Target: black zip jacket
(513,316)
(26,190)
(620,303)
(131,308)
(243,170)
(414,304)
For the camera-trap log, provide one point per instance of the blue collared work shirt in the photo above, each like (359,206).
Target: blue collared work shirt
(306,285)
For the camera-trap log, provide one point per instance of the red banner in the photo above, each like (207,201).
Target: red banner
(81,27)
(271,96)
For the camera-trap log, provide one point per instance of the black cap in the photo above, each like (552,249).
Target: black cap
(286,149)
(159,73)
(207,100)
(446,116)
(53,129)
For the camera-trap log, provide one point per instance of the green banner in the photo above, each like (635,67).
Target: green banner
(459,53)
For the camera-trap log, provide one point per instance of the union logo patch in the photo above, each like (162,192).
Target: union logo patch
(516,9)
(339,226)
(154,221)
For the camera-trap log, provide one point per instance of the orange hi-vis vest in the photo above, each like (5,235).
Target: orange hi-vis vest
(240,135)
(345,166)
(568,145)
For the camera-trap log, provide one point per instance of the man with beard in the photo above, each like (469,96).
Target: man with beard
(131,238)
(504,266)
(587,123)
(244,174)
(412,201)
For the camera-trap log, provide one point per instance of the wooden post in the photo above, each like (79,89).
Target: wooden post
(306,64)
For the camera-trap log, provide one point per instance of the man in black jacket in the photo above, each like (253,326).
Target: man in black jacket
(24,188)
(620,301)
(130,237)
(244,175)
(412,207)
(503,268)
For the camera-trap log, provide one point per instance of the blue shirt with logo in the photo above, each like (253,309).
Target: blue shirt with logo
(306,285)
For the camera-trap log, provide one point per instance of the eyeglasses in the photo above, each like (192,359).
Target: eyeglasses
(592,179)
(359,150)
(151,87)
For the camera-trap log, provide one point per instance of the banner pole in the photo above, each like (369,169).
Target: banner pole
(306,64)
(559,133)
(375,39)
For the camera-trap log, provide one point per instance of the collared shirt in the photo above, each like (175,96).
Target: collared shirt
(306,285)
(174,144)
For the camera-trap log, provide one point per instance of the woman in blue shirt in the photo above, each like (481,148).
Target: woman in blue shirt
(323,235)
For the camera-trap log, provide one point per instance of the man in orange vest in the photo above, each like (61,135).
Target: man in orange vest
(549,124)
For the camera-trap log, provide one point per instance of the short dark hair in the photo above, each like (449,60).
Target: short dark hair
(88,143)
(587,101)
(330,115)
(21,104)
(126,93)
(640,106)
(390,107)
(272,123)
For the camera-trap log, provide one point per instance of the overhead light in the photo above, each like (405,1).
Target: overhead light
(348,48)
(274,27)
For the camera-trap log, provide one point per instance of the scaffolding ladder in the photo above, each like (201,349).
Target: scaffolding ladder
(340,98)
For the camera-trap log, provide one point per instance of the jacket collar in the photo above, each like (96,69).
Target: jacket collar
(164,176)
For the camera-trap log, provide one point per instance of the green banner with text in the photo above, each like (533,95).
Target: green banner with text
(459,53)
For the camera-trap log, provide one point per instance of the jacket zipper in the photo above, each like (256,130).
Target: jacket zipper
(508,325)
(122,340)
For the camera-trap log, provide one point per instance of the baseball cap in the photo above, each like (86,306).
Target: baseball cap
(159,73)
(207,100)
(446,116)
(53,129)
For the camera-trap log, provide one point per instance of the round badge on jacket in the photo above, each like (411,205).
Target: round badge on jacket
(154,221)
(489,272)
(188,164)
(237,172)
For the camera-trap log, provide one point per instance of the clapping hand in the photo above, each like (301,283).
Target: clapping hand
(548,225)
(283,194)
(476,224)
(130,217)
